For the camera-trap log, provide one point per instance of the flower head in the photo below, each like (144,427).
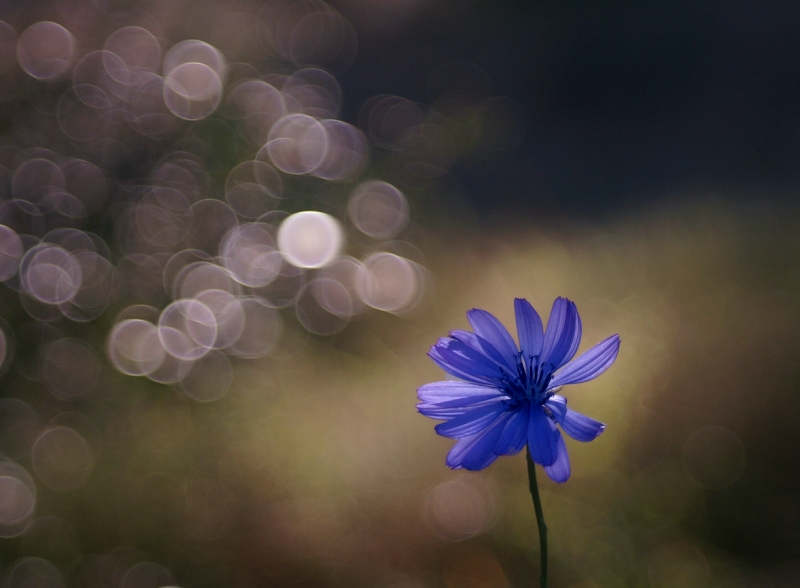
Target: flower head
(506,396)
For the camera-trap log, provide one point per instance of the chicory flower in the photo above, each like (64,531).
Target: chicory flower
(506,395)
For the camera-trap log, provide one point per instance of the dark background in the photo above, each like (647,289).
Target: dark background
(628,102)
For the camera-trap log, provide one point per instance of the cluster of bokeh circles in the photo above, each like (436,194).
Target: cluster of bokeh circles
(187,201)
(179,192)
(198,267)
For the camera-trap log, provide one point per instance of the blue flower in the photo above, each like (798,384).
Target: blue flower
(506,396)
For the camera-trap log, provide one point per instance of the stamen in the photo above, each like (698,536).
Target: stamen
(541,374)
(534,371)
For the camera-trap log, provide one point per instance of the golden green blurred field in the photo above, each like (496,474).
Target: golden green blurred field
(315,469)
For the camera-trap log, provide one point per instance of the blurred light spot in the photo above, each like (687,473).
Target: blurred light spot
(714,457)
(38,310)
(95,291)
(346,156)
(149,113)
(134,347)
(87,183)
(70,368)
(239,35)
(297,144)
(83,425)
(91,72)
(388,282)
(391,121)
(343,271)
(187,329)
(8,48)
(333,296)
(249,253)
(182,172)
(73,240)
(314,92)
(172,370)
(162,216)
(211,221)
(310,32)
(310,239)
(130,54)
(11,251)
(378,209)
(258,105)
(17,498)
(677,564)
(34,179)
(84,113)
(139,280)
(228,313)
(283,290)
(194,51)
(460,508)
(34,572)
(147,575)
(45,50)
(192,91)
(62,458)
(253,188)
(262,329)
(200,276)
(50,274)
(318,318)
(210,378)
(22,217)
(139,311)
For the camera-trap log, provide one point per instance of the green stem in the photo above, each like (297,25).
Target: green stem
(537,505)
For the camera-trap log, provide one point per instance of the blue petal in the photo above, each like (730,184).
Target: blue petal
(481,454)
(590,364)
(576,425)
(471,422)
(515,433)
(462,448)
(529,327)
(434,354)
(465,358)
(442,413)
(448,410)
(580,427)
(563,334)
(492,331)
(455,393)
(558,406)
(481,345)
(542,437)
(559,471)
(458,366)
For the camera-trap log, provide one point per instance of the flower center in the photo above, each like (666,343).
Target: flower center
(533,378)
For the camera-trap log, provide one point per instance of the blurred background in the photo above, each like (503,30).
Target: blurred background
(230,230)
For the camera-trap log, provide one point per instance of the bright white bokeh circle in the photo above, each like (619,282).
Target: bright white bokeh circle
(310,239)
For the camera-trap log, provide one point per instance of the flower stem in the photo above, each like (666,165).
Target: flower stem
(537,505)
